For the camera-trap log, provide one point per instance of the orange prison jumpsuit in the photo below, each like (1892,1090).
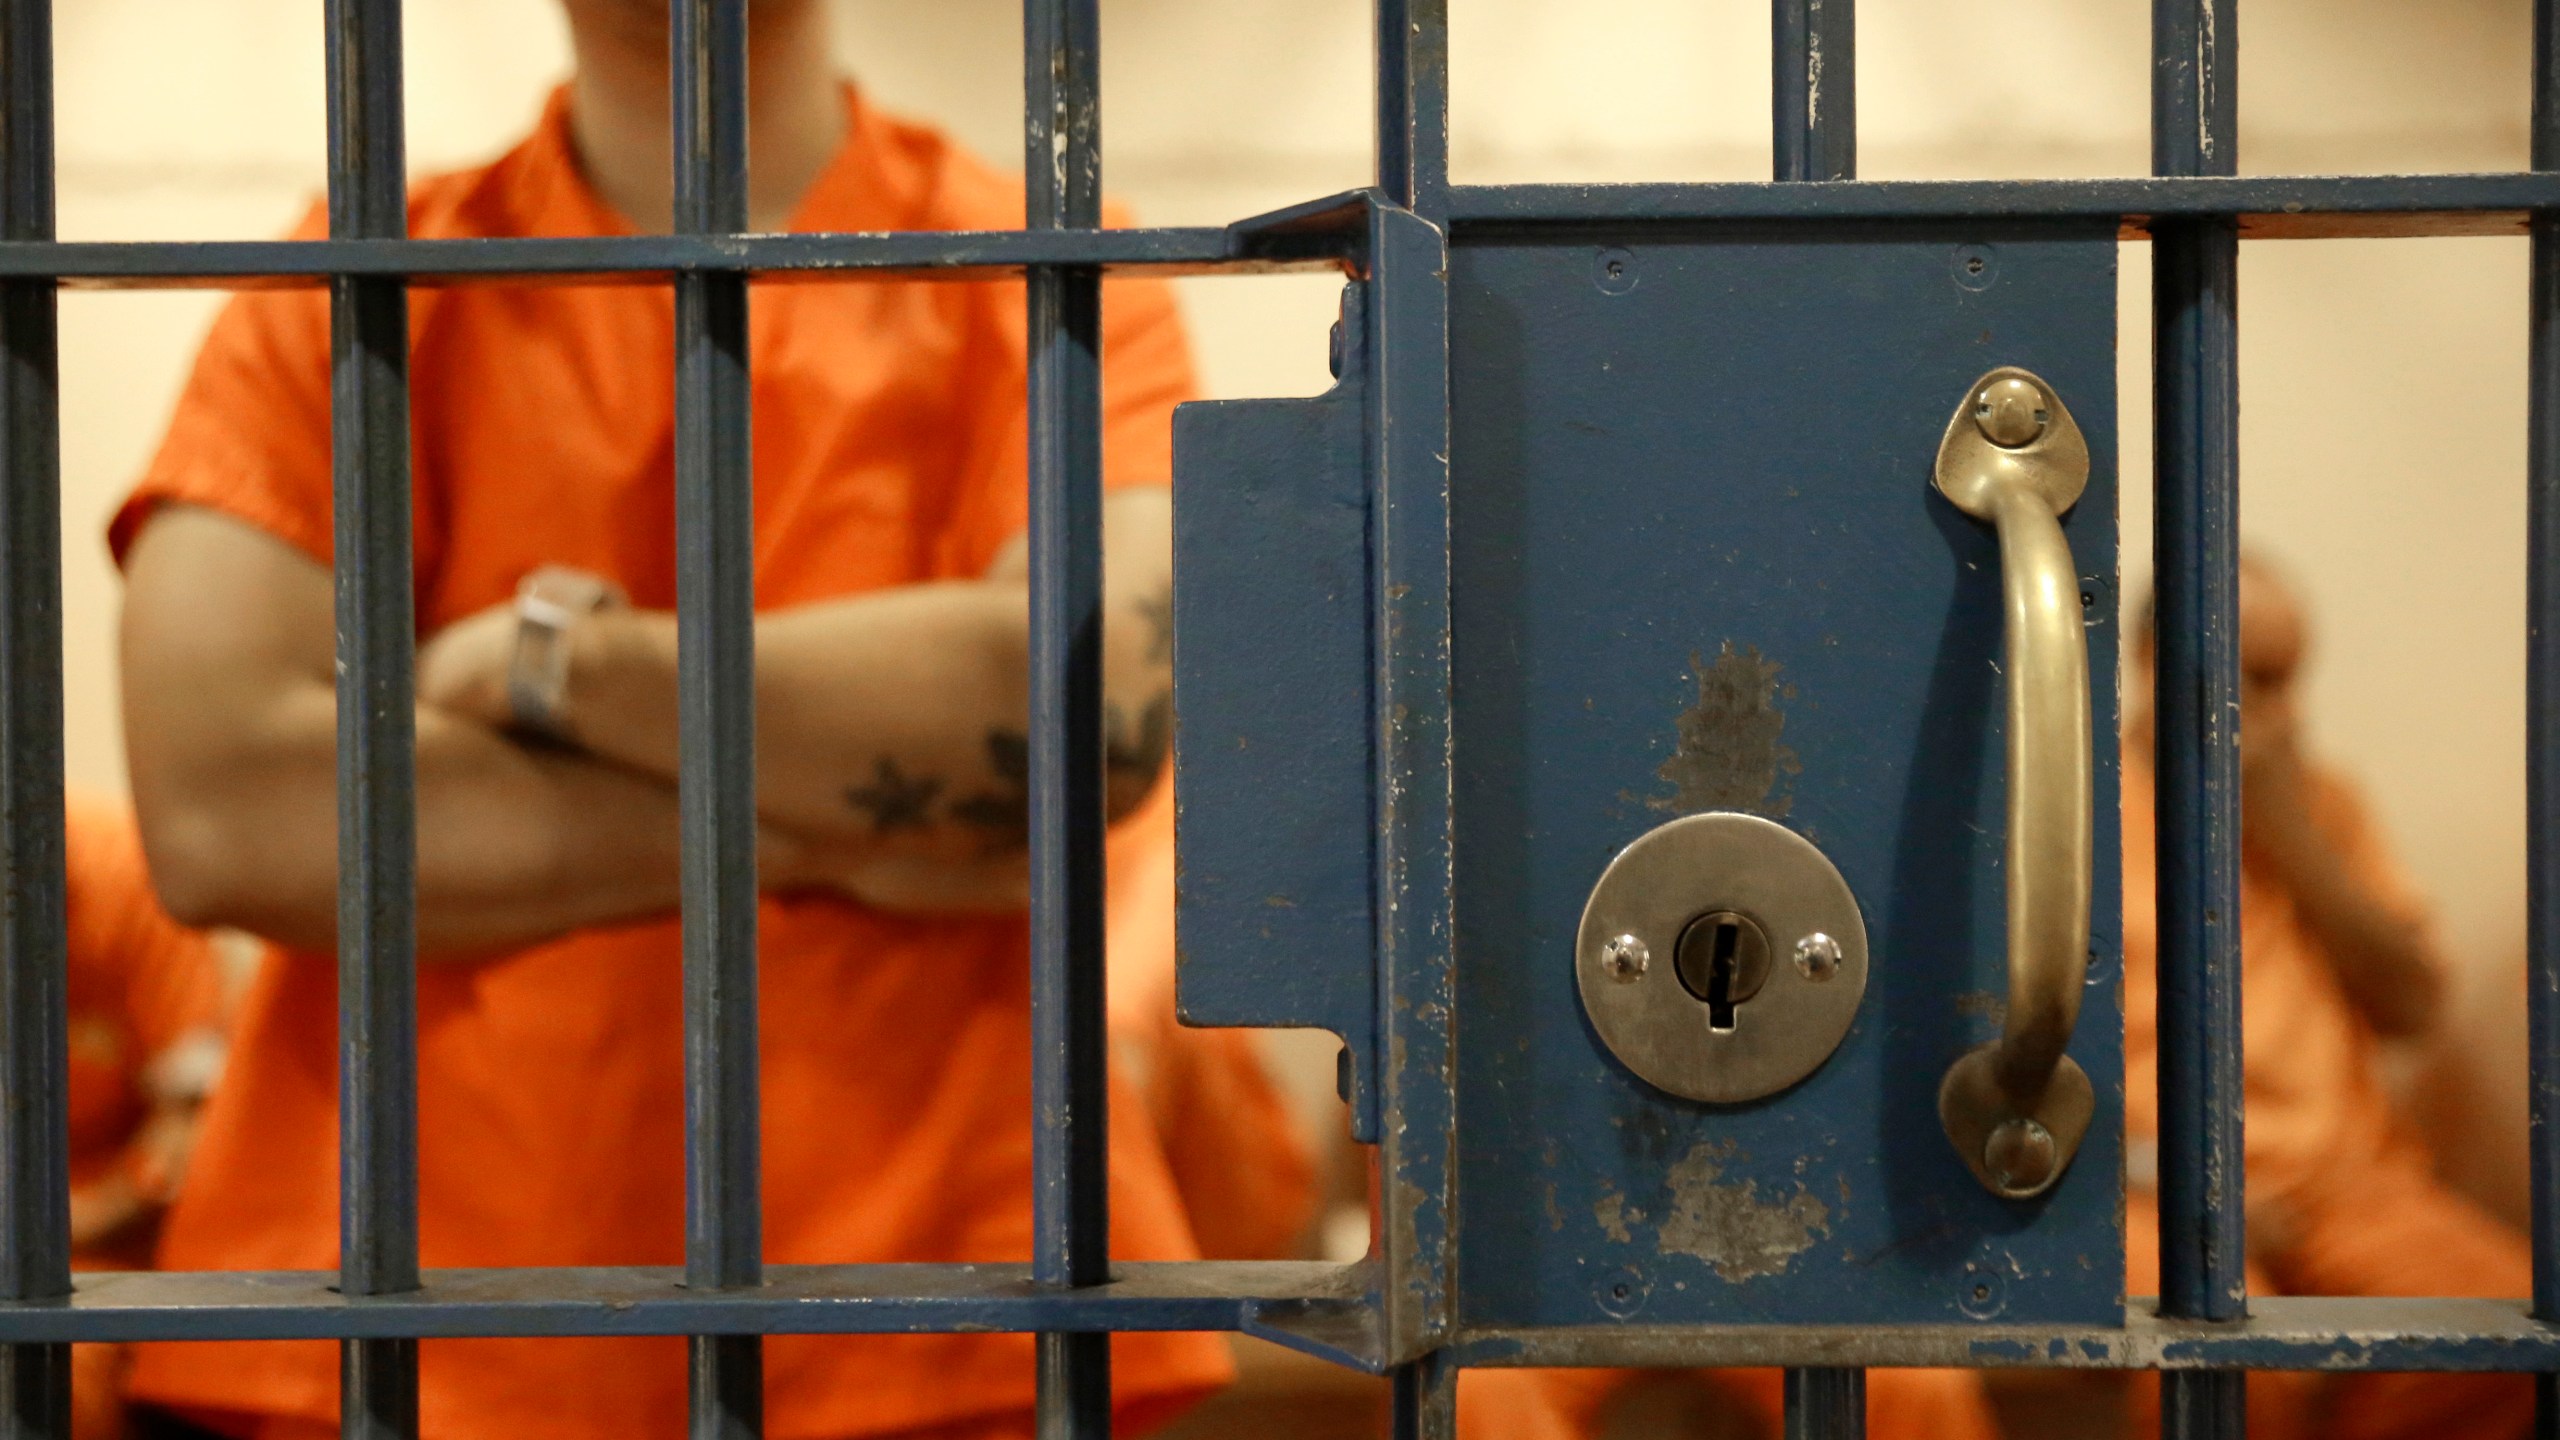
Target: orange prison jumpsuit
(144,990)
(2341,1198)
(1243,1167)
(890,444)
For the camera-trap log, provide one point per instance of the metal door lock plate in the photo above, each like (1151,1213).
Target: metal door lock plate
(1721,957)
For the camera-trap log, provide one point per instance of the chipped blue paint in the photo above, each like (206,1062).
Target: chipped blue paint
(1408,447)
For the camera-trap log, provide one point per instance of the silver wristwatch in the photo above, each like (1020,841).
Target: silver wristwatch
(548,602)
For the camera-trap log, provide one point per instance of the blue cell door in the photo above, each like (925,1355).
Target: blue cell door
(1700,567)
(1673,694)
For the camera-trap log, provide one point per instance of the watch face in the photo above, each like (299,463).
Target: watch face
(564,593)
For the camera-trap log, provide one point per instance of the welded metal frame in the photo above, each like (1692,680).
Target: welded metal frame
(1392,1312)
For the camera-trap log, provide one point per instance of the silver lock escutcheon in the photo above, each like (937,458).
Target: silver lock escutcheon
(1721,957)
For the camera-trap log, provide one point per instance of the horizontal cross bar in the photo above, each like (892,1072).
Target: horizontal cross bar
(2281,1333)
(1270,1297)
(2268,206)
(914,255)
(653,1300)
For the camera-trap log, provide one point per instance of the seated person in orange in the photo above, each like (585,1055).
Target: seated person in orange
(2337,958)
(891,641)
(145,1006)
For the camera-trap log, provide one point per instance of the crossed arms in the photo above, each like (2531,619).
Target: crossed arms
(891,761)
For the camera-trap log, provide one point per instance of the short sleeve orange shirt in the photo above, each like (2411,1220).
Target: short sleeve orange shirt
(889,449)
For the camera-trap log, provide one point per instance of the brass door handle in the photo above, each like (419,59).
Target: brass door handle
(2017,1107)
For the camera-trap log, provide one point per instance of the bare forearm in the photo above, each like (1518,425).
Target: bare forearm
(518,846)
(891,726)
(891,734)
(899,712)
(230,722)
(514,846)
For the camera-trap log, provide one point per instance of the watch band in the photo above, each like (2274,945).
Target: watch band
(548,602)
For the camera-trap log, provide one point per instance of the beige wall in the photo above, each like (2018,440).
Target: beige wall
(2383,381)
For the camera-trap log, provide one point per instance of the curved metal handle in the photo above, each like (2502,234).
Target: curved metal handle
(2018,1107)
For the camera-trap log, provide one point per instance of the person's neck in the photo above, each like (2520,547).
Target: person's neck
(618,115)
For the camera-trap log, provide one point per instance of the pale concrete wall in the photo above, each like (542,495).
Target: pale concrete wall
(2383,424)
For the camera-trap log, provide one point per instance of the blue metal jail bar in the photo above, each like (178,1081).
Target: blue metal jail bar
(377,740)
(2195,115)
(2542,712)
(716,766)
(1395,1313)
(1813,89)
(35,1209)
(1070,1091)
(1414,851)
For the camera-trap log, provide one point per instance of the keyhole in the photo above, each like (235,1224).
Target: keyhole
(1720,976)
(1723,961)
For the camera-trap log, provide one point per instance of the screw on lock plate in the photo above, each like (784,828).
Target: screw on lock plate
(1721,957)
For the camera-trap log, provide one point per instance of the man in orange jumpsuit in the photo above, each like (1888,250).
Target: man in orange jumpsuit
(2337,956)
(891,635)
(145,1007)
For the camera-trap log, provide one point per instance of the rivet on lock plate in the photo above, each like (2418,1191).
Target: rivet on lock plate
(1721,957)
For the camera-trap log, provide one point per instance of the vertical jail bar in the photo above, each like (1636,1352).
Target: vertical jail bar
(1814,89)
(1413,102)
(715,659)
(1403,348)
(1813,96)
(2196,417)
(35,1220)
(1062,190)
(1826,1404)
(2542,707)
(1422,1400)
(377,760)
